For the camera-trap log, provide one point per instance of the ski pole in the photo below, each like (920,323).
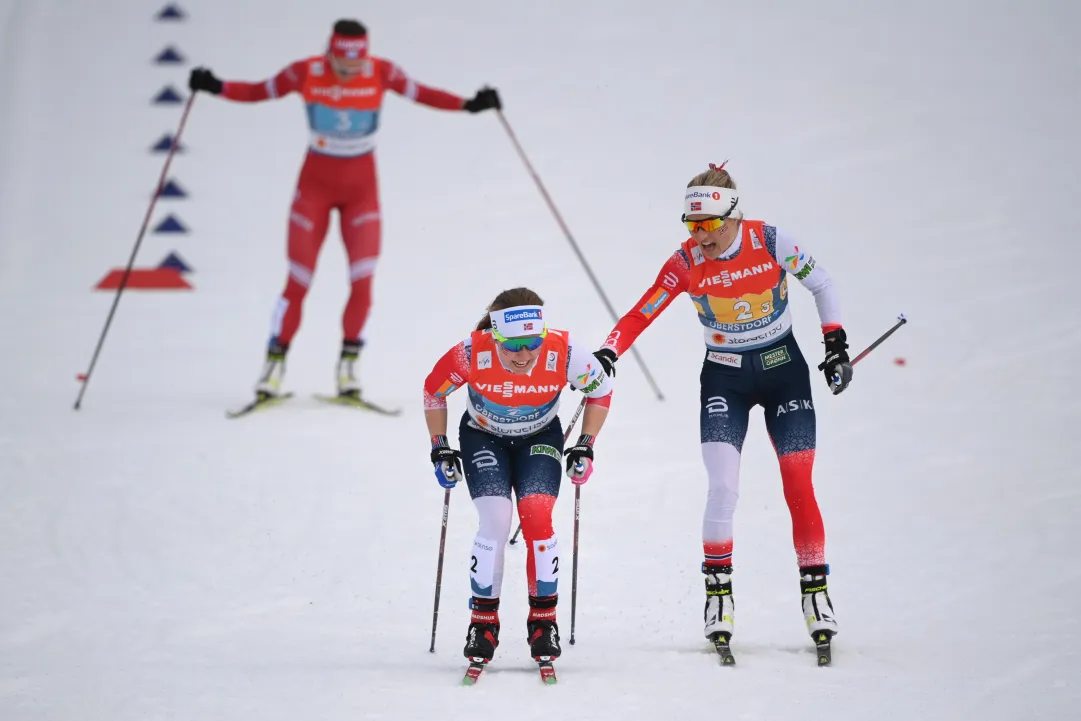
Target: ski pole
(574,564)
(134,251)
(574,419)
(901,320)
(439,568)
(577,251)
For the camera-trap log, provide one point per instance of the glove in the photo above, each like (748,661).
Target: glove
(203,79)
(607,358)
(580,460)
(484,99)
(836,366)
(447,461)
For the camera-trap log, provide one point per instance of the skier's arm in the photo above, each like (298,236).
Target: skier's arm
(798,262)
(584,373)
(395,79)
(674,278)
(593,418)
(450,373)
(289,80)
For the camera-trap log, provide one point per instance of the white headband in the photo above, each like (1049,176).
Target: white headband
(518,321)
(710,200)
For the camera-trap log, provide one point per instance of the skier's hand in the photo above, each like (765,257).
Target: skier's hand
(607,358)
(485,99)
(837,368)
(580,460)
(447,461)
(203,79)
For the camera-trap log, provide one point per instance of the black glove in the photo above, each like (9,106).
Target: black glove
(836,366)
(203,79)
(485,99)
(447,462)
(607,358)
(580,460)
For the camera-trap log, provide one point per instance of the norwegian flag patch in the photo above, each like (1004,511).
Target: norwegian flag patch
(696,206)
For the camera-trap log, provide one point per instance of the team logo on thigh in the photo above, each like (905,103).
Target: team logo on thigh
(543,450)
(775,357)
(793,406)
(485,459)
(716,405)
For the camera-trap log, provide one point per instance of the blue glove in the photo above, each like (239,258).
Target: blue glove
(447,461)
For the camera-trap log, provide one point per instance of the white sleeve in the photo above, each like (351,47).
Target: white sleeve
(584,373)
(798,262)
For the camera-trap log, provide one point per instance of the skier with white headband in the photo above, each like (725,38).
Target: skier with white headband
(343,92)
(735,271)
(514,367)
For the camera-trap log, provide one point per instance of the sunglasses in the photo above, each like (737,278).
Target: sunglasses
(513,345)
(709,224)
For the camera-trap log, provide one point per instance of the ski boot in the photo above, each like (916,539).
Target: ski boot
(270,382)
(720,611)
(482,638)
(818,610)
(348,385)
(542,632)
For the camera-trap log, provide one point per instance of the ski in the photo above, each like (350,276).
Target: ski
(259,404)
(547,672)
(822,648)
(721,642)
(352,401)
(472,674)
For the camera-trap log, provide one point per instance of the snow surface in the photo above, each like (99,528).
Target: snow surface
(160,562)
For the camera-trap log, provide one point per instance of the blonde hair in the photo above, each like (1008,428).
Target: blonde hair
(716,176)
(509,299)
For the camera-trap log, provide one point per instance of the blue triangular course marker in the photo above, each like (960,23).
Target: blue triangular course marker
(173,260)
(169,56)
(168,96)
(172,190)
(170,12)
(164,143)
(170,225)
